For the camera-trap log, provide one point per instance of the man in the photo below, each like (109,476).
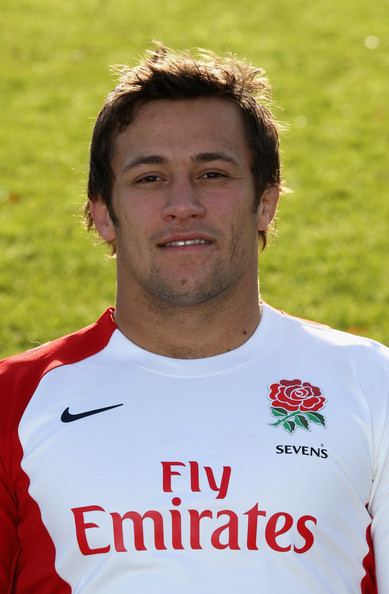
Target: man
(194,440)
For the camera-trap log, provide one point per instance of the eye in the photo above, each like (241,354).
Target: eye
(149,179)
(213,175)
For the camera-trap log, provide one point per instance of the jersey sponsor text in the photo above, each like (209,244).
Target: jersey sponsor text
(236,531)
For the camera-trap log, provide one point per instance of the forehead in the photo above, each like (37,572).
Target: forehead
(183,127)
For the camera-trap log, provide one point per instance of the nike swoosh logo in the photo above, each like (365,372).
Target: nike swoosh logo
(68,417)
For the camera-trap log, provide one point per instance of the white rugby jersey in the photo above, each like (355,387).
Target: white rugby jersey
(262,470)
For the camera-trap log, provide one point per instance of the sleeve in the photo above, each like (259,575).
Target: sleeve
(379,500)
(8,534)
(27,552)
(8,509)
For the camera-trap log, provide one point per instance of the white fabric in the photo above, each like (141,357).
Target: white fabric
(213,416)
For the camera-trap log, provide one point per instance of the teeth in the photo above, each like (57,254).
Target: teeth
(182,243)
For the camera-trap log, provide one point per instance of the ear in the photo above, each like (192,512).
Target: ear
(102,220)
(267,207)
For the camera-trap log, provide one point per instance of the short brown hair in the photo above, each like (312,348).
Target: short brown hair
(175,75)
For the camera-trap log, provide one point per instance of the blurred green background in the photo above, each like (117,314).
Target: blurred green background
(328,62)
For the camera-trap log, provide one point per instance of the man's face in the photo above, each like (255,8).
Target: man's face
(183,196)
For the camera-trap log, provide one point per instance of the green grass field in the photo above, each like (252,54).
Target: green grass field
(328,62)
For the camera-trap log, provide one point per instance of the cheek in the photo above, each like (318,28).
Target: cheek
(244,242)
(134,218)
(134,237)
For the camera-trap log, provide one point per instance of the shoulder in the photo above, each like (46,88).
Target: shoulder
(20,374)
(67,349)
(310,336)
(354,367)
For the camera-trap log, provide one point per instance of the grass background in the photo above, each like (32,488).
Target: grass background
(328,62)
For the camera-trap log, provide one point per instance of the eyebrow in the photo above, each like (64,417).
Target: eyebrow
(144,160)
(159,160)
(214,156)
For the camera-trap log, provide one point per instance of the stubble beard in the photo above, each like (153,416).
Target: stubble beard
(161,294)
(212,290)
(184,293)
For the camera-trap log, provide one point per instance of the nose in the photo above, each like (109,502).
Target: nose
(182,201)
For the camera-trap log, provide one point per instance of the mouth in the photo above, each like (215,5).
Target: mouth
(180,243)
(185,241)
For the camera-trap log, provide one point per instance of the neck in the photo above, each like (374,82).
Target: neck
(189,332)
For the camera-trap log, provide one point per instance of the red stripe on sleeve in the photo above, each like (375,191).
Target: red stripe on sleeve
(368,583)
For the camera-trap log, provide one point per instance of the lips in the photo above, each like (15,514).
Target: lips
(187,242)
(182,241)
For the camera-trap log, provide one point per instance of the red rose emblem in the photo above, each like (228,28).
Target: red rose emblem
(293,395)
